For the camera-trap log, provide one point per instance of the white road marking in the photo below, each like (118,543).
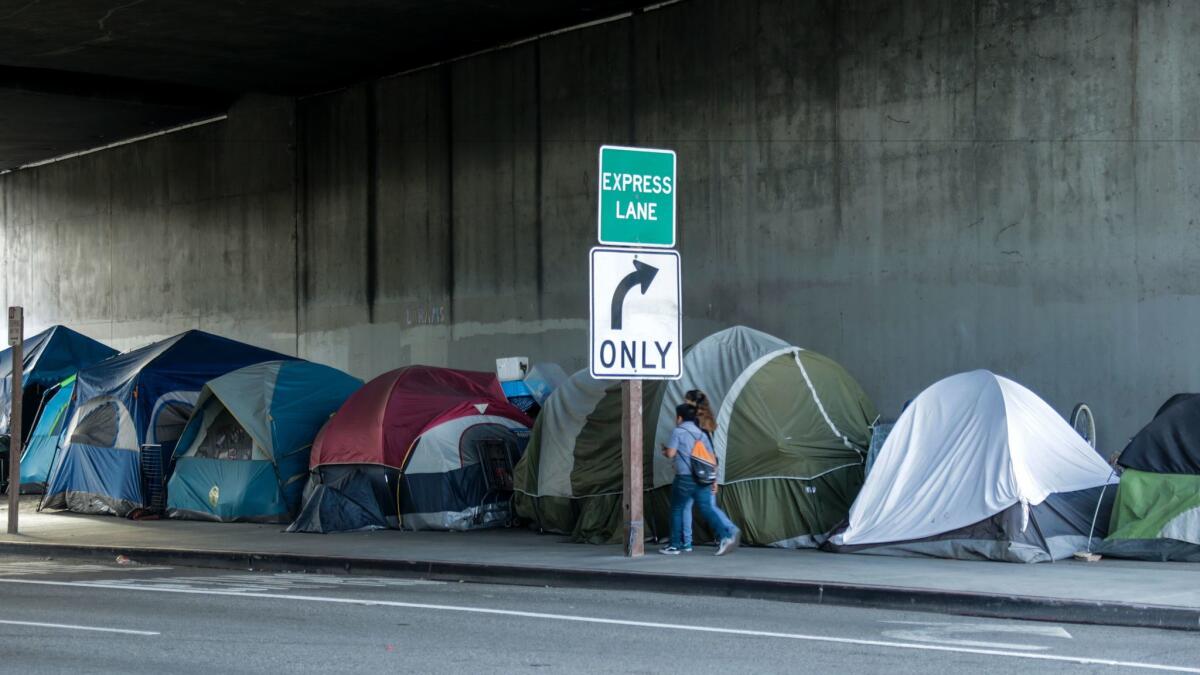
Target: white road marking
(257,583)
(1081,660)
(32,567)
(68,626)
(942,632)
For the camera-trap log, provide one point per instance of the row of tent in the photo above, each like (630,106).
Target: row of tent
(976,467)
(234,432)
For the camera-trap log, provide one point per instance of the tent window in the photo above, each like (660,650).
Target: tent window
(495,447)
(226,439)
(99,427)
(172,418)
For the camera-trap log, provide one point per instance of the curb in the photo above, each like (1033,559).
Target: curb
(991,605)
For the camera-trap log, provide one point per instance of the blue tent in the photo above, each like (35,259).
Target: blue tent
(139,399)
(244,453)
(43,442)
(49,357)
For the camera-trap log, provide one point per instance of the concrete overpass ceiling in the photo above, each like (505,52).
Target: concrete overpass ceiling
(79,73)
(48,113)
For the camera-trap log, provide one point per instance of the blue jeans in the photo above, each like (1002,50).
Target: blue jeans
(684,491)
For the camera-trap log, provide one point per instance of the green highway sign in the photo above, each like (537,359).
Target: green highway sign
(637,196)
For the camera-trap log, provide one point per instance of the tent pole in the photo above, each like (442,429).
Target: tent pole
(631,449)
(16,330)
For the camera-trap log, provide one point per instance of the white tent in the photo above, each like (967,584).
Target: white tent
(980,467)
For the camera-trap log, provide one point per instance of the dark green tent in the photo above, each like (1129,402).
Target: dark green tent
(793,427)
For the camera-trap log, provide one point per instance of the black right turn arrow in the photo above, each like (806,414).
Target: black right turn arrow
(642,274)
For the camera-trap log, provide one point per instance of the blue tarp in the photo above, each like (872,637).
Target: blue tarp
(244,454)
(49,357)
(879,434)
(140,398)
(39,451)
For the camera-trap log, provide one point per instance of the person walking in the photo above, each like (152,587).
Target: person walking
(708,424)
(695,484)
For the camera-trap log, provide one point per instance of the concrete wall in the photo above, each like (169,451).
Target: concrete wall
(189,230)
(914,188)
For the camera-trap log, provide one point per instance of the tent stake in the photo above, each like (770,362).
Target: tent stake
(631,450)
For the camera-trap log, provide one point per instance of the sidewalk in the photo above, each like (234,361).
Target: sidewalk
(1113,592)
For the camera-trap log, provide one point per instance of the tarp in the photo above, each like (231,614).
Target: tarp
(244,453)
(433,427)
(49,357)
(143,397)
(1055,529)
(1157,514)
(792,434)
(43,442)
(879,434)
(1170,443)
(345,499)
(968,449)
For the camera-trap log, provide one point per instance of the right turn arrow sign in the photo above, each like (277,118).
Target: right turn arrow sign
(643,275)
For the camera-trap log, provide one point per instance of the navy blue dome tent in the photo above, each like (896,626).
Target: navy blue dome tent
(133,402)
(49,357)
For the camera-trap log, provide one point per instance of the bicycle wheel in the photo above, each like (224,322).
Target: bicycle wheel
(1084,424)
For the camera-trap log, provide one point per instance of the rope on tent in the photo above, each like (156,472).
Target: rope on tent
(1096,514)
(820,407)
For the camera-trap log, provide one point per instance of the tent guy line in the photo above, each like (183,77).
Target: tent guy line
(1081,660)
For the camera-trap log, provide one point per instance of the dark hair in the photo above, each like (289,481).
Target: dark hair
(686,412)
(704,414)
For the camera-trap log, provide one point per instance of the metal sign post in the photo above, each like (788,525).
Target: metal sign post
(635,335)
(16,331)
(635,330)
(631,450)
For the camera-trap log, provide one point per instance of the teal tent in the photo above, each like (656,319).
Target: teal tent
(243,455)
(43,442)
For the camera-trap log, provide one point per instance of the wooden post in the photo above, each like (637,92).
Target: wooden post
(631,450)
(16,330)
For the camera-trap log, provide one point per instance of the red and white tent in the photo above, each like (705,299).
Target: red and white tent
(433,446)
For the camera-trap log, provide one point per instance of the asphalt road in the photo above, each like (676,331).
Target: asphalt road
(85,616)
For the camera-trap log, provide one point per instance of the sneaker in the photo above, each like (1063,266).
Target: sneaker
(730,544)
(670,550)
(686,549)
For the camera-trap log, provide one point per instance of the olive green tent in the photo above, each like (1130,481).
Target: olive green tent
(793,427)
